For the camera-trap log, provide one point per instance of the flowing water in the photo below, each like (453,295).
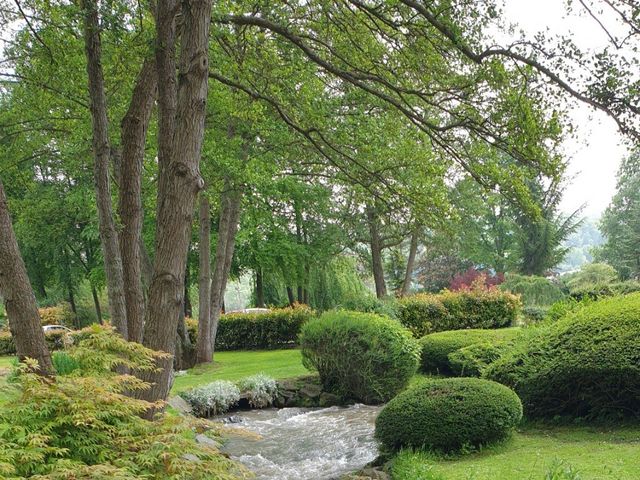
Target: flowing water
(305,444)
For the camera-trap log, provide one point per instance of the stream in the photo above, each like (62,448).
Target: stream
(304,443)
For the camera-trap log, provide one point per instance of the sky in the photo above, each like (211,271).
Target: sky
(595,154)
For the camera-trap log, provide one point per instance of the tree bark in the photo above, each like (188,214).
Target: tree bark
(102,152)
(413,248)
(204,283)
(179,181)
(19,300)
(376,252)
(292,298)
(133,135)
(259,288)
(188,310)
(230,215)
(96,303)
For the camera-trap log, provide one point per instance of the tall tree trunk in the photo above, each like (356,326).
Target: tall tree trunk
(179,176)
(204,351)
(19,300)
(376,253)
(259,288)
(292,298)
(188,310)
(96,304)
(133,135)
(101,151)
(413,248)
(230,215)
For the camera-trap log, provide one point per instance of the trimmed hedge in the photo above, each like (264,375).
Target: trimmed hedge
(472,360)
(437,347)
(359,356)
(256,331)
(448,414)
(587,364)
(477,308)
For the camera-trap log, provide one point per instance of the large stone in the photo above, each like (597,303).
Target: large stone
(205,440)
(180,404)
(311,390)
(329,400)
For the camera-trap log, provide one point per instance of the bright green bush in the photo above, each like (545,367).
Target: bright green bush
(472,360)
(476,308)
(437,347)
(587,364)
(448,414)
(257,331)
(84,426)
(360,356)
(533,290)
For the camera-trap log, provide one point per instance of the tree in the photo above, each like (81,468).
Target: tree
(19,301)
(620,223)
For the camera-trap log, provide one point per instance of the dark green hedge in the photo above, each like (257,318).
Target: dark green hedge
(437,347)
(360,356)
(480,308)
(448,414)
(587,364)
(253,331)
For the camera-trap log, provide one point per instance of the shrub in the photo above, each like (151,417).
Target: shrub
(252,331)
(477,308)
(57,315)
(260,390)
(212,399)
(55,340)
(534,291)
(472,360)
(587,364)
(473,278)
(534,314)
(85,426)
(448,414)
(422,314)
(437,347)
(362,356)
(63,363)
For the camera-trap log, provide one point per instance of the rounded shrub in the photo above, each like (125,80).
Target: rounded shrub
(437,347)
(359,356)
(472,360)
(586,364)
(448,414)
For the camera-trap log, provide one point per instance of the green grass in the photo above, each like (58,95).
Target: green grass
(594,453)
(239,364)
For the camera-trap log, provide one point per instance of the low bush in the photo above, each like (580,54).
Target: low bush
(63,363)
(212,399)
(477,308)
(472,360)
(260,390)
(55,340)
(253,331)
(360,356)
(448,414)
(534,291)
(437,347)
(534,314)
(84,425)
(587,364)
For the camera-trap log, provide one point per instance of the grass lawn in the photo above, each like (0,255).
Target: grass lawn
(239,364)
(594,454)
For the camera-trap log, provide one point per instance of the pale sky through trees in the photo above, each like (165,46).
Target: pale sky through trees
(597,152)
